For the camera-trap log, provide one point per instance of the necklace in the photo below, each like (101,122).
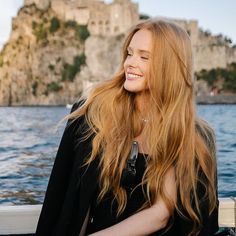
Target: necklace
(144,120)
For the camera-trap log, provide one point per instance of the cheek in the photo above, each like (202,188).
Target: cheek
(145,69)
(125,64)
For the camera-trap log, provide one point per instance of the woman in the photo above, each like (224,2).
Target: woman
(135,159)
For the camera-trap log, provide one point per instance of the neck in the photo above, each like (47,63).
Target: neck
(142,103)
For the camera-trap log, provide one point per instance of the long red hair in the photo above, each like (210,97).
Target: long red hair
(176,137)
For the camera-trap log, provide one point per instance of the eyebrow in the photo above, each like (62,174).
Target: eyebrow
(139,50)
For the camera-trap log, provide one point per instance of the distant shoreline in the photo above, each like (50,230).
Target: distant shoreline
(216,100)
(201,100)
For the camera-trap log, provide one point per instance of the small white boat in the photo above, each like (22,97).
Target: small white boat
(69,106)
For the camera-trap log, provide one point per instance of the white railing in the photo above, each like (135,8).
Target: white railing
(23,219)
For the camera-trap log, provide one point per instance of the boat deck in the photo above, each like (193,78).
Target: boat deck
(22,220)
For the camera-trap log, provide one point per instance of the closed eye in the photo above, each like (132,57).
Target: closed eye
(144,58)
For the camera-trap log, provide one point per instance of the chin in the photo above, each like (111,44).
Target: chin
(133,88)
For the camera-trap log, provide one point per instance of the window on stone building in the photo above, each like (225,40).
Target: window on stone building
(116,28)
(92,23)
(107,29)
(107,22)
(100,22)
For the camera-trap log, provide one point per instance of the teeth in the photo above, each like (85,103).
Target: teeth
(133,76)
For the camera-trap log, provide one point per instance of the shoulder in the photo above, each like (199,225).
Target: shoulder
(75,124)
(77,105)
(204,130)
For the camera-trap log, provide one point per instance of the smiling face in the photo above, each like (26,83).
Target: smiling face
(137,62)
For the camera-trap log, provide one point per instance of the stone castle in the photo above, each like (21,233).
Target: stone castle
(102,19)
(117,17)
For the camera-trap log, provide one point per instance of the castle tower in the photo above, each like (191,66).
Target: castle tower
(102,18)
(40,4)
(121,1)
(123,14)
(28,2)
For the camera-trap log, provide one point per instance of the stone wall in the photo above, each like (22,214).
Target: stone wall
(209,51)
(101,18)
(41,4)
(191,26)
(209,56)
(230,55)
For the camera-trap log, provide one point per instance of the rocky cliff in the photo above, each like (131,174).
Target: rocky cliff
(48,61)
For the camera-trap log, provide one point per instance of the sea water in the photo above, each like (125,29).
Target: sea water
(29,138)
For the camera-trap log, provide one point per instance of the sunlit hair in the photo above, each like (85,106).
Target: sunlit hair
(175,136)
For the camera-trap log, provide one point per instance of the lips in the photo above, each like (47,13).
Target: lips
(132,76)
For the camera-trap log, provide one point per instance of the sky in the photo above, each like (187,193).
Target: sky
(217,16)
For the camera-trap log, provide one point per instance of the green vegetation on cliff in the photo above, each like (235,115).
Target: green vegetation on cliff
(70,70)
(1,60)
(81,31)
(143,16)
(39,30)
(53,87)
(55,25)
(42,29)
(226,75)
(221,39)
(34,87)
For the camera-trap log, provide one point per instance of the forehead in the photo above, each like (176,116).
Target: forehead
(141,40)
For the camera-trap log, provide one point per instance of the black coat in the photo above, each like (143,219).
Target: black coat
(71,187)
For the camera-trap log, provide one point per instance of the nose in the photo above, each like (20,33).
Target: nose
(131,61)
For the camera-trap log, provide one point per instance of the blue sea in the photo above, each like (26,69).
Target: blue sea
(29,138)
